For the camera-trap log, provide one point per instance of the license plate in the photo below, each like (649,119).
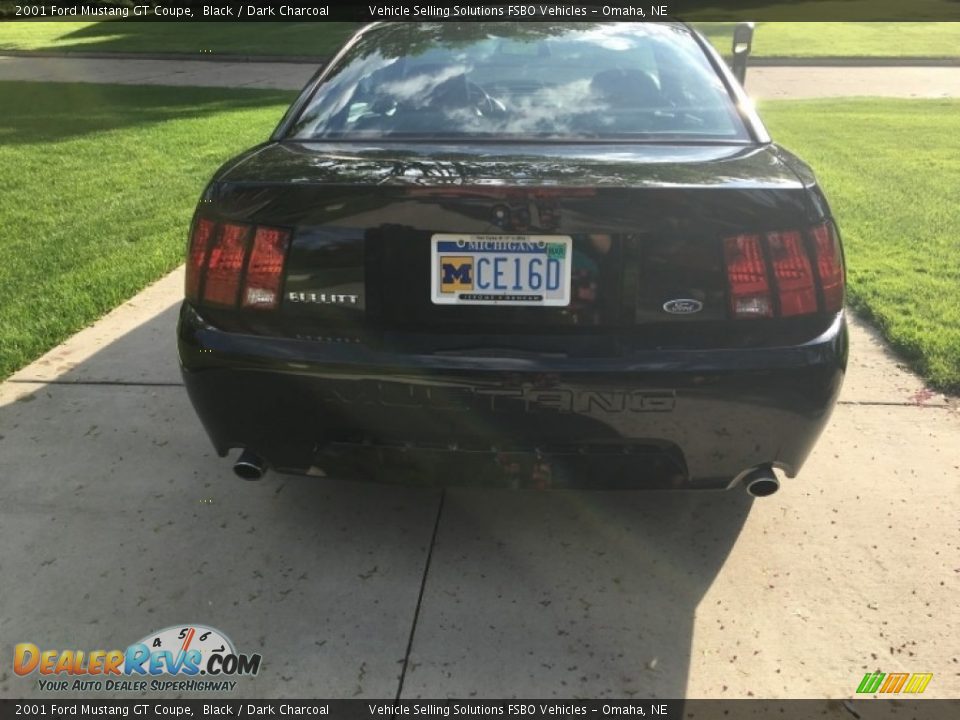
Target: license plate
(531,270)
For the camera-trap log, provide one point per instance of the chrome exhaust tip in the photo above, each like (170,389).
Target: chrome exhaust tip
(761,482)
(250,466)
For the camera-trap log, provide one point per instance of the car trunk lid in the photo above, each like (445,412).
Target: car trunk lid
(646,221)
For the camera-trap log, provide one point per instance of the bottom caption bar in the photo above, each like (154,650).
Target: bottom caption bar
(867,709)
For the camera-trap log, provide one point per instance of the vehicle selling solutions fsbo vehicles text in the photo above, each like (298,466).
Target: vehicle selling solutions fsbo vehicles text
(449,11)
(512,11)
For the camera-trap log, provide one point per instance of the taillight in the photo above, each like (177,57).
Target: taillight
(747,275)
(772,275)
(829,265)
(199,243)
(233,264)
(222,284)
(265,271)
(792,272)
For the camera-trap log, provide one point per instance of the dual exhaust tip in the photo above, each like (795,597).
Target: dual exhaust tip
(250,466)
(760,482)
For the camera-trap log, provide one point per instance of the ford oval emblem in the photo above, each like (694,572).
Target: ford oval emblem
(683,306)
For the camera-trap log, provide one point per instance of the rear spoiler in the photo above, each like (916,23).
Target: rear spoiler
(742,44)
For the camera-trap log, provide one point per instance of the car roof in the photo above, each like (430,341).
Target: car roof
(453,30)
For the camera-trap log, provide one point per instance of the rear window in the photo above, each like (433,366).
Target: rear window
(523,81)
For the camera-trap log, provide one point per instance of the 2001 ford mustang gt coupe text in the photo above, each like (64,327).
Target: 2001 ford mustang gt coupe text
(536,255)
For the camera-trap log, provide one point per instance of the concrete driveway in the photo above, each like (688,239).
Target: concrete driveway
(116,519)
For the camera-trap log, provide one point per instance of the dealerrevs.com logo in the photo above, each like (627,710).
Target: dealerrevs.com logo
(179,658)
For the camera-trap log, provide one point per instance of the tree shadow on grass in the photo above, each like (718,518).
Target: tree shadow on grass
(254,38)
(51,112)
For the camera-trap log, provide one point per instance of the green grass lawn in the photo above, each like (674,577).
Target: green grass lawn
(97,186)
(320,39)
(844,39)
(790,39)
(891,169)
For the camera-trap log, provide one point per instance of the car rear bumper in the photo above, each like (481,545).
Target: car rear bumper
(651,419)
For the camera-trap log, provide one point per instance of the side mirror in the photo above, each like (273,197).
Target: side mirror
(742,44)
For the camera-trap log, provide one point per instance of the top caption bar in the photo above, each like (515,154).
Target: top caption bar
(303,10)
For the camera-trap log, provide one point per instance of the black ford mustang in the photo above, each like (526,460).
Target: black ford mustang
(539,255)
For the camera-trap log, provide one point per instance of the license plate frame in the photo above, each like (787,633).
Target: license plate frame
(458,277)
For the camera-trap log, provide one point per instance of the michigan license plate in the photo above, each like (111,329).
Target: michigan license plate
(501,269)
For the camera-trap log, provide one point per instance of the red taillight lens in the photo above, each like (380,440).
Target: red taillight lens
(199,243)
(794,276)
(747,277)
(221,255)
(265,270)
(784,257)
(829,265)
(225,264)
